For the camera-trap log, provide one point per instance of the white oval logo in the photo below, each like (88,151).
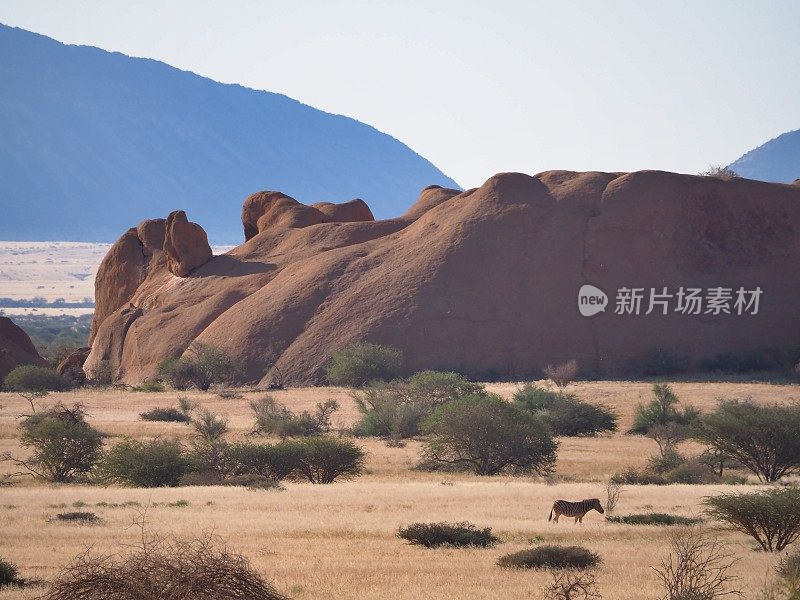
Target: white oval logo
(591,300)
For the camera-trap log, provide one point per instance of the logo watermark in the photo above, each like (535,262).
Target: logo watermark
(683,300)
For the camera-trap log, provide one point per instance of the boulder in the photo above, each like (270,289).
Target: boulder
(16,348)
(501,280)
(72,365)
(185,245)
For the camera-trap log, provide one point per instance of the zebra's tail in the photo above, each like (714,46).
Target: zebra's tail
(551,515)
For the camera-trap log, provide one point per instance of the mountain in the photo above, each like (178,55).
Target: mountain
(777,161)
(93,141)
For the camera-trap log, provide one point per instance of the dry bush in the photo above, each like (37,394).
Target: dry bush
(572,584)
(661,519)
(698,568)
(88,518)
(562,375)
(549,556)
(613,492)
(457,535)
(161,569)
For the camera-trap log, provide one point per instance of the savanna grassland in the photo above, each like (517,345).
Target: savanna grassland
(338,540)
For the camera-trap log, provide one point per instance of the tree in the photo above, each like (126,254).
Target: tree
(156,463)
(202,366)
(662,410)
(325,459)
(564,413)
(362,363)
(64,445)
(489,435)
(31,378)
(771,517)
(764,439)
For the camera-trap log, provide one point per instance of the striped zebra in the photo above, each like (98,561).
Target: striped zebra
(575,509)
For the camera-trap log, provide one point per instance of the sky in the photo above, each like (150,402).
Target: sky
(485,87)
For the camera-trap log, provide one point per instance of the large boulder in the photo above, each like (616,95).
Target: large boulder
(486,281)
(16,348)
(185,245)
(72,365)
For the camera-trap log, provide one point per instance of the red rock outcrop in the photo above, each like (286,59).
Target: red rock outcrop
(185,244)
(16,348)
(484,281)
(72,365)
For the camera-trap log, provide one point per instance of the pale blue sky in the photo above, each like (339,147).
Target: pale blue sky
(480,87)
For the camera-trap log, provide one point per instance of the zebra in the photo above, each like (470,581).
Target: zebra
(575,509)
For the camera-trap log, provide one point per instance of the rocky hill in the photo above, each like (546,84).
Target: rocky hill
(778,160)
(499,281)
(93,141)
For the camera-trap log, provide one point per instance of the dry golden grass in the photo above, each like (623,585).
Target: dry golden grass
(339,540)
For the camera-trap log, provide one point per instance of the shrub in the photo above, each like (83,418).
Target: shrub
(361,363)
(157,463)
(764,439)
(252,482)
(325,459)
(272,461)
(562,375)
(613,492)
(564,413)
(162,568)
(551,557)
(8,573)
(229,395)
(771,517)
(275,419)
(64,446)
(720,172)
(572,584)
(652,519)
(457,535)
(698,567)
(208,426)
(168,415)
(490,435)
(662,411)
(672,468)
(148,387)
(631,476)
(437,387)
(179,373)
(88,518)
(789,567)
(31,378)
(103,374)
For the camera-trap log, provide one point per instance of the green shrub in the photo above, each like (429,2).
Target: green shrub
(30,378)
(64,446)
(662,411)
(88,518)
(325,459)
(789,570)
(157,463)
(457,535)
(272,461)
(673,468)
(362,363)
(565,414)
(771,517)
(763,438)
(652,519)
(8,573)
(273,418)
(202,366)
(551,557)
(631,476)
(168,415)
(179,373)
(490,435)
(148,387)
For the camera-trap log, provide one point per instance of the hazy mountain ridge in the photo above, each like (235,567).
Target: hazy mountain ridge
(777,160)
(94,142)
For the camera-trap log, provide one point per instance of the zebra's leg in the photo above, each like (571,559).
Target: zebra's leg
(555,519)
(578,520)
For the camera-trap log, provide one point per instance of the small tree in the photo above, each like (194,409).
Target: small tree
(179,373)
(157,463)
(359,364)
(764,439)
(564,413)
(563,374)
(212,365)
(273,461)
(490,435)
(662,410)
(771,517)
(31,378)
(325,459)
(210,452)
(698,568)
(64,445)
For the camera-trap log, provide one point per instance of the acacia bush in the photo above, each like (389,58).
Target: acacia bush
(457,535)
(565,414)
(32,378)
(87,518)
(201,366)
(771,517)
(155,463)
(325,459)
(362,363)
(663,410)
(272,461)
(562,374)
(8,573)
(63,445)
(549,556)
(396,410)
(489,435)
(652,519)
(197,569)
(763,438)
(273,418)
(179,373)
(167,415)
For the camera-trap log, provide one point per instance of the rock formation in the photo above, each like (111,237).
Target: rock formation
(16,348)
(485,281)
(185,244)
(72,365)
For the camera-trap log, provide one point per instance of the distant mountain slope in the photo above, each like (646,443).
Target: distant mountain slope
(91,142)
(777,161)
